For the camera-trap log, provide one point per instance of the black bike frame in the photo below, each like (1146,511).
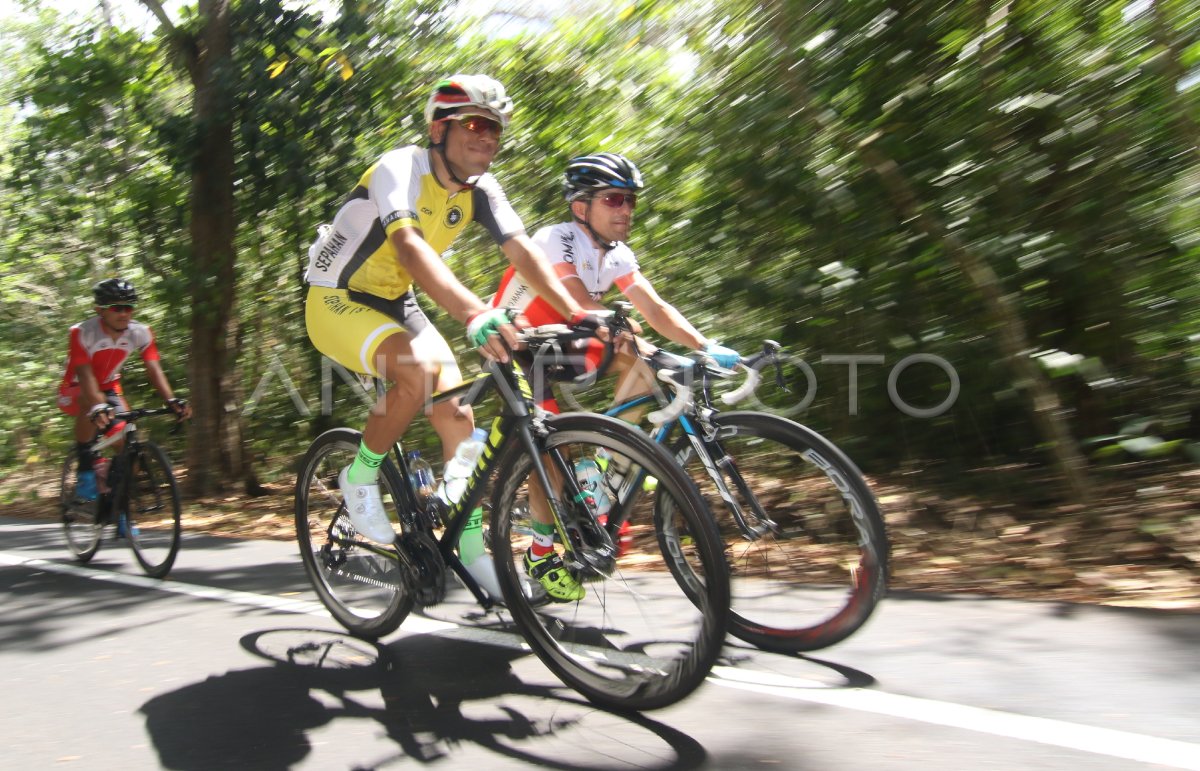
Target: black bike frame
(120,468)
(515,423)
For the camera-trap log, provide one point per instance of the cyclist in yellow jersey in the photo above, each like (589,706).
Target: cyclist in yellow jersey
(389,235)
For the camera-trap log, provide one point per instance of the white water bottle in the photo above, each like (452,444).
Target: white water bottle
(591,479)
(458,469)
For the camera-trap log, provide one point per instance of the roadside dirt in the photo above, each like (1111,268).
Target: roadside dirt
(1139,545)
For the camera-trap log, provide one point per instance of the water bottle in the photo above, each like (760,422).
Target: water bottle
(470,543)
(458,469)
(422,480)
(591,479)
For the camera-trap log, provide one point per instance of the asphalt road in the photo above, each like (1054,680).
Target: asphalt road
(232,664)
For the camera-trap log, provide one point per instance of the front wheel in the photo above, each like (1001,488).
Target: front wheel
(807,549)
(151,520)
(80,518)
(639,638)
(364,585)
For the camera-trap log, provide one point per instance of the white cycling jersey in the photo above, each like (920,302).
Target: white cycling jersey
(570,253)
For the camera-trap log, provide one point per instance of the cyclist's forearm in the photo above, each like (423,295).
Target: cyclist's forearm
(671,324)
(438,281)
(89,389)
(574,286)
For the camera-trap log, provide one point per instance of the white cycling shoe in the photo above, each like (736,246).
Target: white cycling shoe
(366,511)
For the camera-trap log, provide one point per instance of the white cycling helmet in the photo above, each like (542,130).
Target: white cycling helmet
(469,91)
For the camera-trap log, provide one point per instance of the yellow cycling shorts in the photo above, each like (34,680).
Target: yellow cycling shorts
(348,327)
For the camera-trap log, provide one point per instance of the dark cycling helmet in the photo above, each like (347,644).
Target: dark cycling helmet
(589,173)
(114,291)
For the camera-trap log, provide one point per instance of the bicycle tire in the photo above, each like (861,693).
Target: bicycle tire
(635,641)
(79,518)
(817,578)
(364,586)
(152,511)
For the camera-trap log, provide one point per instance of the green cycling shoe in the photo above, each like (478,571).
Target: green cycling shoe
(554,577)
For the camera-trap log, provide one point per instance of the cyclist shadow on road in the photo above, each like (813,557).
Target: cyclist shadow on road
(432,695)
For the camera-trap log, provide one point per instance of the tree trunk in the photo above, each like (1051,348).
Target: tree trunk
(214,447)
(1045,408)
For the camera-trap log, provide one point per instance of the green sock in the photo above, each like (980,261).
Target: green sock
(470,543)
(365,468)
(543,538)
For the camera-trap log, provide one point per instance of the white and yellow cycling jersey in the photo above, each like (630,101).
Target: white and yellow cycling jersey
(400,190)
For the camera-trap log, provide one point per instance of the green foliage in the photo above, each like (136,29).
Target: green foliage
(1050,138)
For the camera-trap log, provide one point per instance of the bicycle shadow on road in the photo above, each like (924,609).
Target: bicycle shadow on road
(434,698)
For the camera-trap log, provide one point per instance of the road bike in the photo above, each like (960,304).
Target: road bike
(142,502)
(803,535)
(647,631)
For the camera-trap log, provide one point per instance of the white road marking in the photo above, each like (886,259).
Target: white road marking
(1100,741)
(413,624)
(1059,733)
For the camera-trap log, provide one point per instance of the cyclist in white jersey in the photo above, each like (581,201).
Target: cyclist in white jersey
(590,256)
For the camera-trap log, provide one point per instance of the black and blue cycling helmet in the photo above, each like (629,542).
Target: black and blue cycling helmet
(114,291)
(589,173)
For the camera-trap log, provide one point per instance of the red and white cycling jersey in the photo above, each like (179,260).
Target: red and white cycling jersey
(90,344)
(571,253)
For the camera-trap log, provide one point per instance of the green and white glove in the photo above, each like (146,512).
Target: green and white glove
(484,324)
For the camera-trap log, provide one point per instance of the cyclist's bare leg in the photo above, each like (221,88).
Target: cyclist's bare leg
(85,429)
(415,368)
(452,421)
(539,505)
(634,379)
(410,380)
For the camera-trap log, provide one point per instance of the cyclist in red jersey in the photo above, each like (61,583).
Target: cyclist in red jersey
(91,385)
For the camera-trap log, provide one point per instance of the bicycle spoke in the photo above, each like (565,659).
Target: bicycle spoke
(362,584)
(150,518)
(804,539)
(643,634)
(79,517)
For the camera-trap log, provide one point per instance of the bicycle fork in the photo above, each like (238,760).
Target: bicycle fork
(590,549)
(721,466)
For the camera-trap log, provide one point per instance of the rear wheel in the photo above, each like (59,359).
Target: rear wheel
(364,585)
(808,557)
(151,521)
(79,517)
(640,638)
